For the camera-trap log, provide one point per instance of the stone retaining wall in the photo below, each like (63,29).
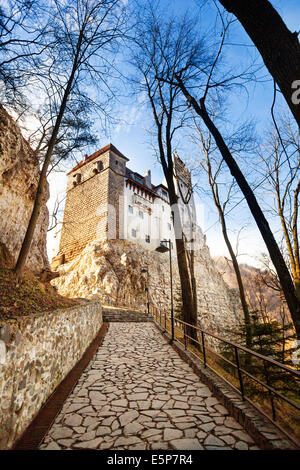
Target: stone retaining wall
(36,353)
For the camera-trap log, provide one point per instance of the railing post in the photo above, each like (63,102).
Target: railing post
(203,347)
(172,326)
(165,320)
(269,391)
(239,372)
(184,335)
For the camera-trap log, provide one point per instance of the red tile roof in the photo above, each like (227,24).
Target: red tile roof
(97,154)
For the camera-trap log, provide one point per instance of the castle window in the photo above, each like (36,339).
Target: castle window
(116,162)
(162,208)
(133,233)
(169,226)
(141,214)
(100,165)
(130,209)
(147,238)
(164,193)
(78,178)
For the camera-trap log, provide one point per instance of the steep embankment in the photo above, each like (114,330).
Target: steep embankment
(19,172)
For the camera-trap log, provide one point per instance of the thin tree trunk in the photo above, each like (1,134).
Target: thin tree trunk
(296,242)
(191,257)
(189,314)
(25,248)
(293,251)
(278,46)
(262,223)
(240,283)
(215,193)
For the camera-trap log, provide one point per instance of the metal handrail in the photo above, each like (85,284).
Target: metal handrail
(243,348)
(273,392)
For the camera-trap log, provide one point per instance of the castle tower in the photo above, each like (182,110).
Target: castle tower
(186,202)
(94,201)
(106,200)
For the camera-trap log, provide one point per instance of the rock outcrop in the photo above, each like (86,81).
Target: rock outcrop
(112,271)
(257,284)
(19,172)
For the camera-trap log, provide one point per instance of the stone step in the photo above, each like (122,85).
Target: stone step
(124,315)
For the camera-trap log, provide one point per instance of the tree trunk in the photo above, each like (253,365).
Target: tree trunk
(189,313)
(296,241)
(221,209)
(278,46)
(237,271)
(21,261)
(191,261)
(297,286)
(262,223)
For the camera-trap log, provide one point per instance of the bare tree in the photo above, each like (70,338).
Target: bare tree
(83,34)
(278,46)
(281,157)
(22,23)
(161,45)
(178,78)
(75,133)
(213,167)
(189,233)
(261,221)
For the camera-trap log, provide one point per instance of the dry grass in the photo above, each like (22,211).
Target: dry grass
(28,297)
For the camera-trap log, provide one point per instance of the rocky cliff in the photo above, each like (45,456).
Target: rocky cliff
(112,271)
(257,283)
(19,172)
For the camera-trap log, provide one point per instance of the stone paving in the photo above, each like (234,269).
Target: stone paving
(138,394)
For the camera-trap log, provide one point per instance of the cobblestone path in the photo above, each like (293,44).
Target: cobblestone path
(138,394)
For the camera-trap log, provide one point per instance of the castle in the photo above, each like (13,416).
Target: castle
(113,222)
(107,201)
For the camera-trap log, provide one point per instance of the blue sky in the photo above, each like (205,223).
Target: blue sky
(132,139)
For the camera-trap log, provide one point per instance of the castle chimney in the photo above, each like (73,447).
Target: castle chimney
(148,178)
(85,156)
